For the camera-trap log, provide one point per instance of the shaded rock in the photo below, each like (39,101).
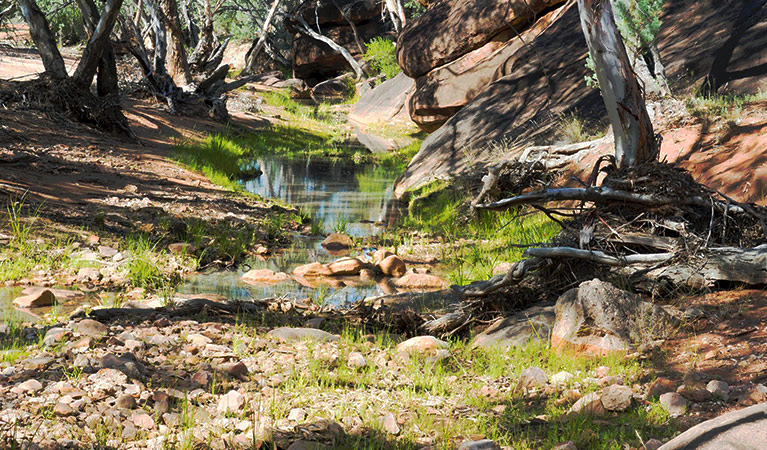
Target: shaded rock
(617,397)
(127,364)
(337,241)
(532,324)
(232,401)
(449,29)
(660,386)
(652,444)
(389,424)
(91,328)
(161,402)
(237,370)
(346,266)
(506,108)
(334,90)
(694,394)
(719,389)
(392,266)
(314,61)
(307,445)
(618,319)
(266,276)
(179,248)
(37,363)
(420,281)
(442,92)
(312,270)
(327,13)
(532,377)
(36,300)
(484,444)
(673,403)
(386,103)
(745,429)
(126,401)
(288,334)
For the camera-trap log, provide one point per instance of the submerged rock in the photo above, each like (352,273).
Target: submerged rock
(265,276)
(392,266)
(312,270)
(346,266)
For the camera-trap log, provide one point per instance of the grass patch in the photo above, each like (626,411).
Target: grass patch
(725,106)
(468,394)
(474,242)
(573,129)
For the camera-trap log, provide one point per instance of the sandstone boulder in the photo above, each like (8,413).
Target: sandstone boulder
(334,90)
(420,281)
(745,429)
(452,28)
(547,81)
(392,266)
(532,324)
(346,266)
(264,276)
(386,103)
(442,92)
(36,300)
(312,270)
(326,13)
(615,319)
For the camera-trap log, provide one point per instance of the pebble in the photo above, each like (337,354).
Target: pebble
(390,424)
(143,420)
(617,397)
(532,377)
(27,386)
(297,415)
(231,402)
(356,360)
(561,378)
(719,389)
(125,402)
(484,444)
(673,403)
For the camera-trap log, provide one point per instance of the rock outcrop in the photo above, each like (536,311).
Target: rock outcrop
(543,79)
(745,429)
(313,61)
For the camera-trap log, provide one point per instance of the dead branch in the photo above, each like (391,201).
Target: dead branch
(598,256)
(602,195)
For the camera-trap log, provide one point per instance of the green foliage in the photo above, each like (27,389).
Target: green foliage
(65,21)
(591,76)
(381,56)
(638,22)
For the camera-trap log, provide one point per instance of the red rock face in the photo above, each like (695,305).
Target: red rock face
(452,28)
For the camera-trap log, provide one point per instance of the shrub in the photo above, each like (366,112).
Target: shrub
(381,56)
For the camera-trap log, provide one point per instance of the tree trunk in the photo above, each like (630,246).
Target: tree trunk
(178,61)
(634,138)
(106,83)
(97,44)
(205,46)
(397,14)
(192,28)
(255,49)
(304,29)
(43,39)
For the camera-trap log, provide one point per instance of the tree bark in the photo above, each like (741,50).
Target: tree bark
(193,29)
(97,44)
(397,14)
(304,29)
(43,39)
(255,49)
(178,61)
(634,138)
(205,45)
(106,82)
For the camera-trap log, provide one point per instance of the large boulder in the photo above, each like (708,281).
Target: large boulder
(532,324)
(546,80)
(598,318)
(745,429)
(445,90)
(452,28)
(386,103)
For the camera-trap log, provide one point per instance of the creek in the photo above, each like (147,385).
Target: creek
(336,194)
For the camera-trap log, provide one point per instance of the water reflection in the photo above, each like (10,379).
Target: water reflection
(333,191)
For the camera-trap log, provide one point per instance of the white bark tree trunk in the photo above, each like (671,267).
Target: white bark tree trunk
(252,55)
(634,138)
